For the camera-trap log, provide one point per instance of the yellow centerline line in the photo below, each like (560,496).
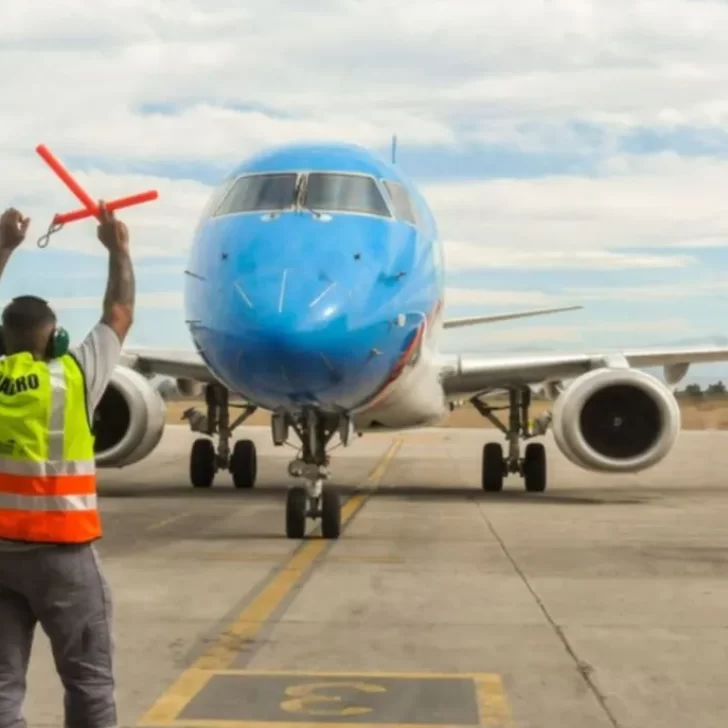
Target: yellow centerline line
(251,620)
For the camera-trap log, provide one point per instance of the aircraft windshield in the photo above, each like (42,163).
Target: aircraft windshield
(403,207)
(260,192)
(344,193)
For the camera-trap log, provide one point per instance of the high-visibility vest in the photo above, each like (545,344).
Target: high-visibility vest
(47,465)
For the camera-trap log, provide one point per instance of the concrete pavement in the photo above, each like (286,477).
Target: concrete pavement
(599,603)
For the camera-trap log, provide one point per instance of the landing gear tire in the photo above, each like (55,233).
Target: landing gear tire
(202,463)
(534,468)
(296,507)
(330,514)
(244,464)
(492,467)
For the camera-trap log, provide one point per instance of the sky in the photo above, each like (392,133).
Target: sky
(573,151)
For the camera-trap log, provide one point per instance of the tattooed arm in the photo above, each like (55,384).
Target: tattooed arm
(118,311)
(120,293)
(99,353)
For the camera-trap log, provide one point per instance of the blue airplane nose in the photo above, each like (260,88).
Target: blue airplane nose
(304,333)
(291,299)
(310,310)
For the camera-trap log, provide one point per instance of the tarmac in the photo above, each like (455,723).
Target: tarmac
(602,602)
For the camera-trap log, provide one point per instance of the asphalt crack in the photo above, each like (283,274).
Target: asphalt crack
(584,669)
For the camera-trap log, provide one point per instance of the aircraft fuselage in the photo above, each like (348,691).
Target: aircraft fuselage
(315,278)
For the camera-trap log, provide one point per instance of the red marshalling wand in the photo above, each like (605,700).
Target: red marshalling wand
(90,208)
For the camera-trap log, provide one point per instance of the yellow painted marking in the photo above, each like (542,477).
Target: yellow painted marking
(305,695)
(340,558)
(252,619)
(493,707)
(291,724)
(167,521)
(379,469)
(491,679)
(364,559)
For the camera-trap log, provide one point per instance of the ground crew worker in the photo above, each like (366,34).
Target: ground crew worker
(49,568)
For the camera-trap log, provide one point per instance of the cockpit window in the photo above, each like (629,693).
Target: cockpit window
(344,193)
(403,207)
(260,192)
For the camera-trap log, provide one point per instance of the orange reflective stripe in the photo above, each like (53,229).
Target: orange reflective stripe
(49,485)
(50,527)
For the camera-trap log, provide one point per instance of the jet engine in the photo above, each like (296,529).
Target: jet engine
(129,420)
(616,420)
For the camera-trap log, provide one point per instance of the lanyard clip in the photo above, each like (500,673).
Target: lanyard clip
(43,240)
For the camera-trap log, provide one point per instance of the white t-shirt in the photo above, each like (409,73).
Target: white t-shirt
(97,355)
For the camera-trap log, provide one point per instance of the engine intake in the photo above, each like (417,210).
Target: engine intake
(129,420)
(616,420)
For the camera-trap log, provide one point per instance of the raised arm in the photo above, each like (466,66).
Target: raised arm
(118,313)
(13,227)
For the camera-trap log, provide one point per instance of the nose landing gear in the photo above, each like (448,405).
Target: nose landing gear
(314,500)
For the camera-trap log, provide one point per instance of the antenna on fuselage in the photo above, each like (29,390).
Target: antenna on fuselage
(394,148)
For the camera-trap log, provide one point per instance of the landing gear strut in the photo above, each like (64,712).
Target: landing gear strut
(496,466)
(312,500)
(205,460)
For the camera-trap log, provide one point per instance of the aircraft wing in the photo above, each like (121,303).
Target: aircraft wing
(464,375)
(467,375)
(178,363)
(453,323)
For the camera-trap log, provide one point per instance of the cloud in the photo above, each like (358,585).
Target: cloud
(490,297)
(212,82)
(465,256)
(662,292)
(635,202)
(519,75)
(221,135)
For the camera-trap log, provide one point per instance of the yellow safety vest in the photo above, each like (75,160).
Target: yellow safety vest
(47,465)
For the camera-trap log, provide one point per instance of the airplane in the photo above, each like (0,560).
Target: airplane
(315,290)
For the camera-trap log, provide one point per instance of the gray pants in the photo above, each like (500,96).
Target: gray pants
(63,588)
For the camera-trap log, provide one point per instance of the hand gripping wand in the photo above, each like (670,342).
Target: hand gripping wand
(90,208)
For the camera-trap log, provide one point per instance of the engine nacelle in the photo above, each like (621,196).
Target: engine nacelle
(129,420)
(616,420)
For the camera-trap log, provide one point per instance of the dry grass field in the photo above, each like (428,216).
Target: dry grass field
(706,413)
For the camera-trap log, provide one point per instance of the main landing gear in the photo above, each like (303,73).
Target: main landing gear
(312,500)
(496,466)
(205,460)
